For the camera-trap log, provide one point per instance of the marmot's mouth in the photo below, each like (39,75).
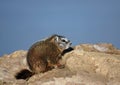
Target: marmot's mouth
(68,45)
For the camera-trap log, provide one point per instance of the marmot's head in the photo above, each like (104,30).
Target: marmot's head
(61,41)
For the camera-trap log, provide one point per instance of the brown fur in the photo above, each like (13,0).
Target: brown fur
(42,56)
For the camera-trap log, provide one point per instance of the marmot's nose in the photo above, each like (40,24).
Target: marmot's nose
(69,42)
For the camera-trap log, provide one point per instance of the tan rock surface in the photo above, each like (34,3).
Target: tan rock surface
(87,64)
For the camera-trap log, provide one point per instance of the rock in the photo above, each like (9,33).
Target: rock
(87,64)
(100,47)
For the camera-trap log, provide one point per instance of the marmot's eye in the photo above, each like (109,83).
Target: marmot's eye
(63,41)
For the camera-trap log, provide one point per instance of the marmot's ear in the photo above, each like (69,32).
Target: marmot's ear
(56,38)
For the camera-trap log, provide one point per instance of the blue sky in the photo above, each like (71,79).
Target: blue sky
(23,22)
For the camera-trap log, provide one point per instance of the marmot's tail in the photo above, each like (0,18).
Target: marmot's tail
(24,74)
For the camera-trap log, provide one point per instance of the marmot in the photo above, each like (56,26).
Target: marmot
(44,55)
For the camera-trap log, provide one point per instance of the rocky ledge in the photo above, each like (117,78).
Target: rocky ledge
(87,64)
